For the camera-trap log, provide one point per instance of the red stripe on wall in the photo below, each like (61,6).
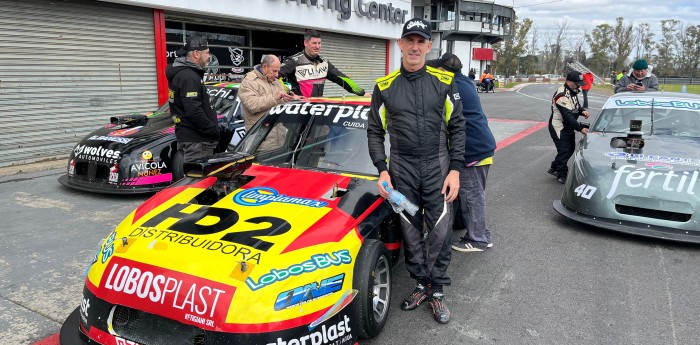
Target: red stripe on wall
(386,61)
(161,54)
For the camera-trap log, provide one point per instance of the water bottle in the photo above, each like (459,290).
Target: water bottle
(399,202)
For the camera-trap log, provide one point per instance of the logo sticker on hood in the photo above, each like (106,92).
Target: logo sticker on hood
(264,195)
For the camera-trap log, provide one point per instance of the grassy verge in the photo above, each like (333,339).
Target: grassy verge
(677,88)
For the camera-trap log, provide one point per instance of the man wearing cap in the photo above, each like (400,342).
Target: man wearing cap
(563,121)
(479,147)
(419,107)
(196,126)
(639,80)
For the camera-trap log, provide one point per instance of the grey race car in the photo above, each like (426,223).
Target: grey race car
(638,169)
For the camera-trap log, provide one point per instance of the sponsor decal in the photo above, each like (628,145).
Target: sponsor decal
(264,195)
(336,334)
(221,93)
(97,154)
(671,181)
(147,155)
(316,262)
(342,302)
(109,138)
(223,247)
(191,94)
(84,306)
(125,131)
(71,167)
(236,55)
(108,247)
(110,125)
(148,168)
(114,174)
(309,292)
(657,104)
(659,166)
(339,112)
(653,158)
(189,299)
(121,341)
(456,96)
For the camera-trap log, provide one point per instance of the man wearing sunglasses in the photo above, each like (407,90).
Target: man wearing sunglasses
(196,126)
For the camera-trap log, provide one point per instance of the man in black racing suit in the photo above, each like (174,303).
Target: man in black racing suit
(307,71)
(420,109)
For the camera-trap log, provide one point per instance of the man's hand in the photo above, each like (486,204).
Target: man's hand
(451,186)
(631,87)
(384,177)
(584,130)
(585,114)
(283,96)
(367,94)
(641,88)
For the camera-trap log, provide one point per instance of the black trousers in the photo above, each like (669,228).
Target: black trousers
(427,235)
(565,142)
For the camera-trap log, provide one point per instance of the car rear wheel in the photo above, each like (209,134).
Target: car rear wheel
(178,169)
(372,279)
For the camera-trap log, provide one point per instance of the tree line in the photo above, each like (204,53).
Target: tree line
(606,48)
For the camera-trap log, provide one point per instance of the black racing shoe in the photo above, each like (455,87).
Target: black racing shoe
(415,298)
(561,179)
(552,172)
(440,312)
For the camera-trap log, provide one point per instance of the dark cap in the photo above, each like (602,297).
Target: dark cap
(450,62)
(576,77)
(416,26)
(193,43)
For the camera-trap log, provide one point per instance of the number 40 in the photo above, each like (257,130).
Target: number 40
(585,191)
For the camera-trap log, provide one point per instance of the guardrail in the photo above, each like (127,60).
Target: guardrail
(663,80)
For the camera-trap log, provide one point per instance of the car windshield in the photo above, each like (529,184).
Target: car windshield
(223,98)
(670,117)
(335,139)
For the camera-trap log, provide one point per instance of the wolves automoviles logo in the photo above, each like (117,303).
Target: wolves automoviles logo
(264,195)
(183,297)
(415,23)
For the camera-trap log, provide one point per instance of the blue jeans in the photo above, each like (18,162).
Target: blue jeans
(472,200)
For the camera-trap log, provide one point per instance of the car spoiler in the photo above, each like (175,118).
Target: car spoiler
(130,120)
(225,165)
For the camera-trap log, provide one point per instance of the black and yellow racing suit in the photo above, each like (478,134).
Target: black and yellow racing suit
(308,75)
(422,113)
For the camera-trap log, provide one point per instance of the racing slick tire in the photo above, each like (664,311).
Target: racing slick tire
(372,280)
(70,332)
(178,168)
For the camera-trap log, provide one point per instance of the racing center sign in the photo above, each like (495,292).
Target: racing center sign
(369,9)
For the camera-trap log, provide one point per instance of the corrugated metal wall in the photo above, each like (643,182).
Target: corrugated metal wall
(65,68)
(362,59)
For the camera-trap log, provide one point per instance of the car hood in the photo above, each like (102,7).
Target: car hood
(663,176)
(120,139)
(228,263)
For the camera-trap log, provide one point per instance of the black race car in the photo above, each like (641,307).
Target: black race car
(137,153)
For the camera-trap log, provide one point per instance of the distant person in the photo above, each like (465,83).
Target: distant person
(196,125)
(588,78)
(563,121)
(472,74)
(486,80)
(613,78)
(259,91)
(639,80)
(307,71)
(479,148)
(620,75)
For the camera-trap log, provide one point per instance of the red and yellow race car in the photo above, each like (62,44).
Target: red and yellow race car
(285,241)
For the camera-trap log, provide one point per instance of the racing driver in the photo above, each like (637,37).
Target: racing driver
(419,106)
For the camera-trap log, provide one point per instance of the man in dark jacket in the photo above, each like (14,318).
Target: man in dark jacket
(419,107)
(564,121)
(479,147)
(196,126)
(307,71)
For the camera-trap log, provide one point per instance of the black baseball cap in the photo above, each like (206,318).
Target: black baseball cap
(193,43)
(416,26)
(576,77)
(448,61)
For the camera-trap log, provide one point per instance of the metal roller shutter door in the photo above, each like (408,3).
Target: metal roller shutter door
(360,58)
(65,67)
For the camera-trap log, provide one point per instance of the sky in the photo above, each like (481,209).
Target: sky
(587,14)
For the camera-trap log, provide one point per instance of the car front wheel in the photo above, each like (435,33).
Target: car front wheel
(372,279)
